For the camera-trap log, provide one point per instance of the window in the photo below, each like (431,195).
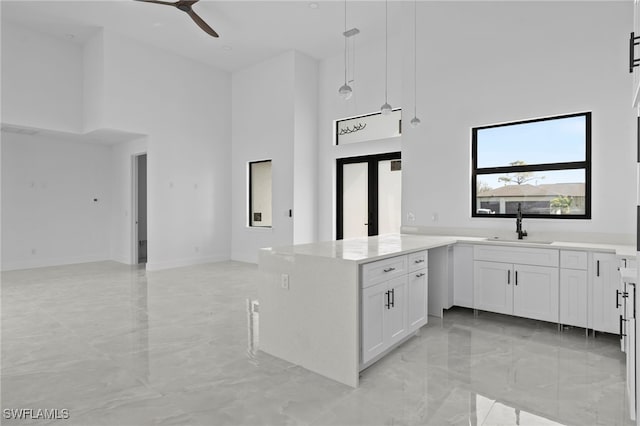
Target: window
(260,193)
(544,165)
(369,127)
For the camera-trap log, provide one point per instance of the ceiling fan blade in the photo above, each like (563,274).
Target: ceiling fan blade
(198,20)
(158,2)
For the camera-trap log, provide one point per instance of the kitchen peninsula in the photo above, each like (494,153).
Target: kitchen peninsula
(311,295)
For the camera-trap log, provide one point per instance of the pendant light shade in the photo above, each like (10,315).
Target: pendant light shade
(345,91)
(415,122)
(385,109)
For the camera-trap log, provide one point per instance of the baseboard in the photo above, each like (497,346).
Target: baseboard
(43,263)
(169,264)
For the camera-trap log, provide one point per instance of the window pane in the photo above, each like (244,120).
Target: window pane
(541,142)
(260,193)
(355,208)
(558,192)
(368,128)
(389,196)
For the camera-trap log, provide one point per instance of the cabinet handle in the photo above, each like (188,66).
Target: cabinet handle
(516,277)
(386,305)
(509,277)
(633,62)
(618,299)
(393,297)
(622,320)
(418,261)
(389,269)
(597,268)
(421,274)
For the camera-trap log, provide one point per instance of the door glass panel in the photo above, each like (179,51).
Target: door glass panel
(355,200)
(389,194)
(260,193)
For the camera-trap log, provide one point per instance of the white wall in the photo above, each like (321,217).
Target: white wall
(263,123)
(124,86)
(40,80)
(305,150)
(487,62)
(121,225)
(368,97)
(273,117)
(49,216)
(183,107)
(93,94)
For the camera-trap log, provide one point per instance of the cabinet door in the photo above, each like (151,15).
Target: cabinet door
(417,300)
(536,292)
(573,297)
(604,312)
(630,349)
(374,307)
(396,314)
(493,289)
(463,276)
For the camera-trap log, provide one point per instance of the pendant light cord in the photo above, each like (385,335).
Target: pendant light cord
(386,48)
(415,57)
(345,42)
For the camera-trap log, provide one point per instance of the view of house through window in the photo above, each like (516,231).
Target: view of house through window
(260,193)
(544,165)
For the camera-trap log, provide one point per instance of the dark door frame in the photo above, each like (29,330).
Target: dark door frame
(372,161)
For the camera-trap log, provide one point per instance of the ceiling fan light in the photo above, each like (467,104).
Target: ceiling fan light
(415,122)
(385,109)
(345,92)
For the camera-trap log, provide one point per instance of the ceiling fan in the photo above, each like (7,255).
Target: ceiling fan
(185,6)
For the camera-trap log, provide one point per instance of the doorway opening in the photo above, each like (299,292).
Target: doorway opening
(140,245)
(369,195)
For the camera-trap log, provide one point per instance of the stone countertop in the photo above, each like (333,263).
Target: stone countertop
(629,274)
(367,249)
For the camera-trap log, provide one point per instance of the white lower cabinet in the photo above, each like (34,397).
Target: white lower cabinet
(574,288)
(463,275)
(535,292)
(573,297)
(394,308)
(417,301)
(605,294)
(384,316)
(513,289)
(492,287)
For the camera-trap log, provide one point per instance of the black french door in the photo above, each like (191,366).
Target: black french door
(365,185)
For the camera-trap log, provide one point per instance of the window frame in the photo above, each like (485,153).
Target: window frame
(336,125)
(250,195)
(538,167)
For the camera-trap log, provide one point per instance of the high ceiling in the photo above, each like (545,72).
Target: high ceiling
(250,31)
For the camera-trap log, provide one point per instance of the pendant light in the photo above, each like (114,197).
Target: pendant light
(415,121)
(345,90)
(385,109)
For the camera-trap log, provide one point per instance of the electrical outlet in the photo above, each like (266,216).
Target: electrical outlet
(411,217)
(434,217)
(284,281)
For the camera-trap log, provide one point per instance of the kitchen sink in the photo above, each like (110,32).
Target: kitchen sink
(524,241)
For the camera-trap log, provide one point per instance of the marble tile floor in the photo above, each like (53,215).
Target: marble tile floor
(115,345)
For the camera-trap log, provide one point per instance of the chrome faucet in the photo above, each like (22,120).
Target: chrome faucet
(519,230)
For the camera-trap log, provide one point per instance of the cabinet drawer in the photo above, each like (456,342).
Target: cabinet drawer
(382,270)
(570,259)
(417,260)
(521,255)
